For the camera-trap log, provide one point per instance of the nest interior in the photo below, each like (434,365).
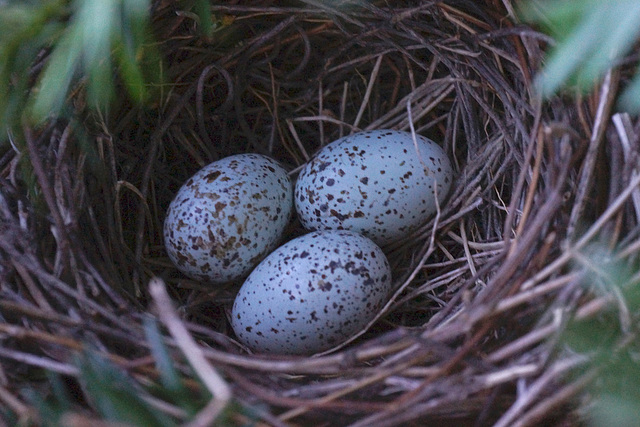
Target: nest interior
(542,210)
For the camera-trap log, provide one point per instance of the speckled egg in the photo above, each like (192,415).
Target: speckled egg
(227,217)
(379,183)
(312,293)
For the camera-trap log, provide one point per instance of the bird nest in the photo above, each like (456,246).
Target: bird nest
(535,245)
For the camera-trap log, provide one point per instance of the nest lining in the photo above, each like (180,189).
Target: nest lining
(482,292)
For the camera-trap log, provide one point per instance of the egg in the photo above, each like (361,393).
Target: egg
(312,293)
(227,217)
(379,183)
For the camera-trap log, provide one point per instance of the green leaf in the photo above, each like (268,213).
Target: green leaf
(557,18)
(96,23)
(164,363)
(614,410)
(26,28)
(592,37)
(114,394)
(93,43)
(568,56)
(175,389)
(130,47)
(617,395)
(203,11)
(55,405)
(132,74)
(135,18)
(54,84)
(630,99)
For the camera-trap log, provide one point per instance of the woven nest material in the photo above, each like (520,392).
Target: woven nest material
(543,207)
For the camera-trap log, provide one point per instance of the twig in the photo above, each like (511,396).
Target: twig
(587,236)
(367,94)
(209,376)
(607,98)
(529,393)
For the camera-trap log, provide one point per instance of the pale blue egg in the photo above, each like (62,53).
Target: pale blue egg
(379,183)
(312,293)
